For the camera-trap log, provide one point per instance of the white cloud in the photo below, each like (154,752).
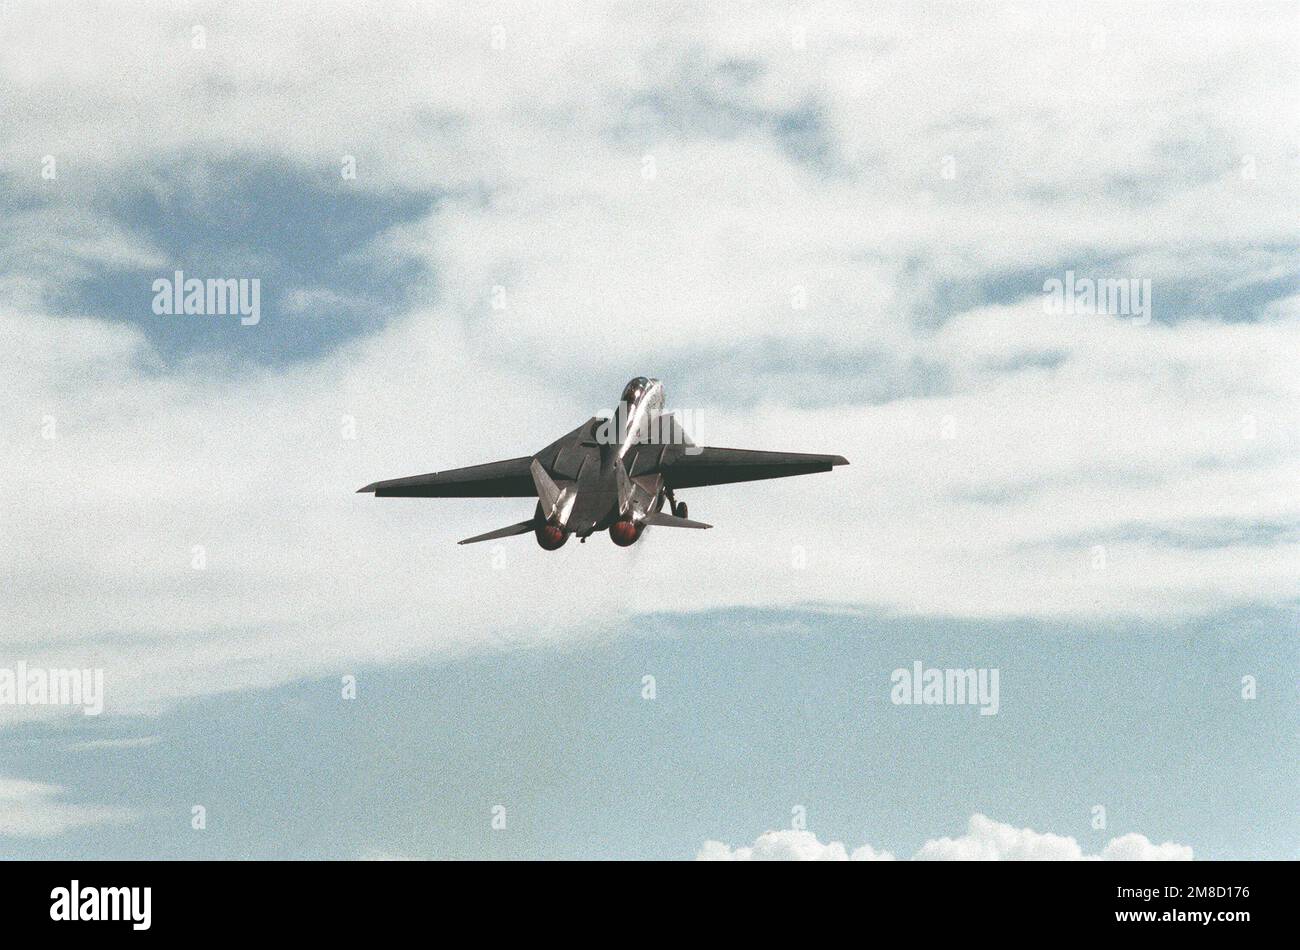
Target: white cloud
(1135,847)
(985,840)
(1107,435)
(789,846)
(33,810)
(125,742)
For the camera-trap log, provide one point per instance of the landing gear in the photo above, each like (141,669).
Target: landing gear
(678,508)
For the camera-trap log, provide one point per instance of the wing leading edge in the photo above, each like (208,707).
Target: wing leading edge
(710,466)
(506,479)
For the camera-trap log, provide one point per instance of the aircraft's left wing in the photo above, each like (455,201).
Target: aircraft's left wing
(709,466)
(508,479)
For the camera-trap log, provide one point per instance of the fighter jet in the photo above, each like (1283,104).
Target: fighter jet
(610,474)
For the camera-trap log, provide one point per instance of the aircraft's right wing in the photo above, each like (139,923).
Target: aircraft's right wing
(691,468)
(508,479)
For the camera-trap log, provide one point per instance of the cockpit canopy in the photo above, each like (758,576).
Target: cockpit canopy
(634,390)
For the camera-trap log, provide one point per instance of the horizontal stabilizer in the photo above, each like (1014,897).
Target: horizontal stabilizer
(522,528)
(672,521)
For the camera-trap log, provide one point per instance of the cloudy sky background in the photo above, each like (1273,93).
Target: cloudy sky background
(654,187)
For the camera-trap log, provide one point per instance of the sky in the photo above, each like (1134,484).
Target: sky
(826,229)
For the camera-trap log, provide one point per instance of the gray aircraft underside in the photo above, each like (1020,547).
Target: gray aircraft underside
(607,474)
